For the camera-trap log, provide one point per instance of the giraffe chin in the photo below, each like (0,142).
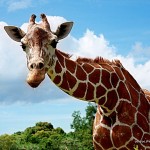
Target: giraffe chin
(35,77)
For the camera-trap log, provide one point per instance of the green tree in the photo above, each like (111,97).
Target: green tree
(82,135)
(44,126)
(90,115)
(78,123)
(7,142)
(81,123)
(43,136)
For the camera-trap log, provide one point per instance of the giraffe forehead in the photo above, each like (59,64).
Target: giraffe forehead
(37,35)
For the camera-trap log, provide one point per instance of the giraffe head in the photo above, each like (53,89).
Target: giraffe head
(39,43)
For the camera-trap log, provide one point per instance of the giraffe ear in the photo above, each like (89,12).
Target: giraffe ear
(63,30)
(14,33)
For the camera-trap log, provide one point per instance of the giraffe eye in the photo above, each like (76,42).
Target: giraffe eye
(53,43)
(23,46)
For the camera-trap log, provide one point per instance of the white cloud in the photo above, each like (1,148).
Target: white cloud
(55,21)
(13,68)
(19,4)
(92,45)
(11,56)
(140,52)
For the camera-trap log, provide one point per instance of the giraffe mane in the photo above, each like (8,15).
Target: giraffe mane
(64,54)
(98,60)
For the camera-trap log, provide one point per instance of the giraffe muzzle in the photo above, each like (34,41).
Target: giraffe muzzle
(35,77)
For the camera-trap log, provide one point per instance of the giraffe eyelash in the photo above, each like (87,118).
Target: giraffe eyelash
(53,43)
(23,46)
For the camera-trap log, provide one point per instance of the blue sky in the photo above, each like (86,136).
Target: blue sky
(109,28)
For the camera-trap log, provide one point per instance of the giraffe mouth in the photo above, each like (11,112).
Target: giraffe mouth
(35,77)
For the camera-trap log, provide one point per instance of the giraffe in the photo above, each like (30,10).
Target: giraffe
(122,121)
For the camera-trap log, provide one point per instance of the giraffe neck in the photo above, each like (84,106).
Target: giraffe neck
(67,75)
(89,81)
(72,78)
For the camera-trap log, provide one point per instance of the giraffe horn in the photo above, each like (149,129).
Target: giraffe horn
(31,21)
(45,22)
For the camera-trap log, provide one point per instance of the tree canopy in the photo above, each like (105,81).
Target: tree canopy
(43,136)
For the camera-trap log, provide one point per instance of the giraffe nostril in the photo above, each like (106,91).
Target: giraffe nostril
(33,66)
(40,65)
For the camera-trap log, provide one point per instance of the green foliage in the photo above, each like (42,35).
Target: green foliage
(84,123)
(43,136)
(83,128)
(7,142)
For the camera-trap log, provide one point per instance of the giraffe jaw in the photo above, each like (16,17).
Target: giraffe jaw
(35,77)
